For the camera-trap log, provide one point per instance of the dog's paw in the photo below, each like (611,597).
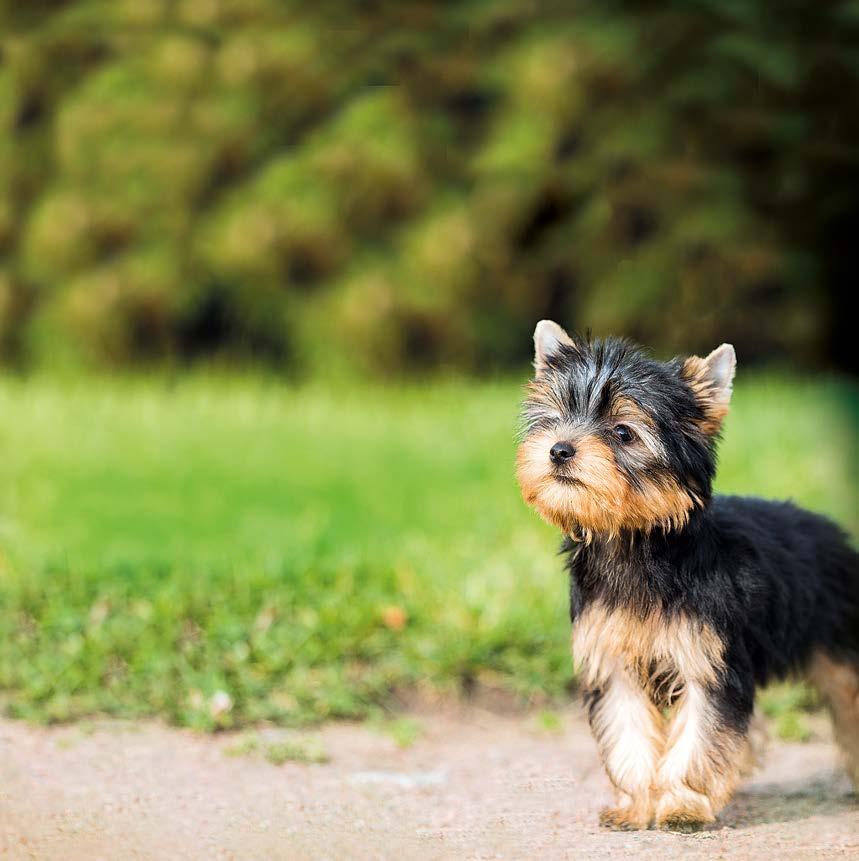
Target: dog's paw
(687,814)
(623,819)
(682,822)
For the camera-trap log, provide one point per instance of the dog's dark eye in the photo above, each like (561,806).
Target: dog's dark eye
(623,433)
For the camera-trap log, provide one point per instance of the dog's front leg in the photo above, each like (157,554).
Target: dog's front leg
(629,734)
(706,753)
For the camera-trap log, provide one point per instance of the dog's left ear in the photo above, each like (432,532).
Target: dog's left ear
(711,380)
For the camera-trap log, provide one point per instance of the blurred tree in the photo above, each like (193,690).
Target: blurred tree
(198,177)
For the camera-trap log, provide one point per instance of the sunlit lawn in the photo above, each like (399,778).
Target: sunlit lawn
(306,551)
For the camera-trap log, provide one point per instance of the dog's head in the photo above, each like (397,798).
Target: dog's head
(616,441)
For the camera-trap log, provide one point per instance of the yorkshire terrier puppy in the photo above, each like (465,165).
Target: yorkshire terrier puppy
(682,602)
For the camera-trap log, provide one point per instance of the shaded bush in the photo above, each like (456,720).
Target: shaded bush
(185,179)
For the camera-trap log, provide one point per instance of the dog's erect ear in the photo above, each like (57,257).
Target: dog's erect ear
(711,380)
(721,366)
(549,337)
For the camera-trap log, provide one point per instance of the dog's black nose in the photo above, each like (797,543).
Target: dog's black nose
(561,452)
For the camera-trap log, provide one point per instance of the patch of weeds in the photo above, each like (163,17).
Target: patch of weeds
(792,726)
(782,698)
(786,704)
(309,750)
(243,746)
(549,722)
(279,750)
(404,731)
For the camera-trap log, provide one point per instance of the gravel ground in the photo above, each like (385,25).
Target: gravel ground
(474,785)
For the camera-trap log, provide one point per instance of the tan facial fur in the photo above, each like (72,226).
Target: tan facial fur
(604,502)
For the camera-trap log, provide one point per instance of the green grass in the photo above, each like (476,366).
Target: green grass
(223,551)
(404,731)
(278,751)
(784,704)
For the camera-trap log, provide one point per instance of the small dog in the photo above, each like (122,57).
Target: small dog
(682,602)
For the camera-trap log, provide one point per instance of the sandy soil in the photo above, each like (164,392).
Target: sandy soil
(474,786)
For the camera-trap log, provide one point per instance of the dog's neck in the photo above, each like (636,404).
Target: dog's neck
(658,539)
(639,570)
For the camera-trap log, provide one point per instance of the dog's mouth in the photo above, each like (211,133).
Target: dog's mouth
(569,480)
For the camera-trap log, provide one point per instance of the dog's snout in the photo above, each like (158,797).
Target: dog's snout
(561,452)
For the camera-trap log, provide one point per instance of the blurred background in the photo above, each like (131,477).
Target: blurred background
(268,276)
(230,178)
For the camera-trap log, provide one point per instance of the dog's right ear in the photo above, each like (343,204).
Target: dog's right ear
(549,337)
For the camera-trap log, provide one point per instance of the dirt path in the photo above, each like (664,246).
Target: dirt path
(475,785)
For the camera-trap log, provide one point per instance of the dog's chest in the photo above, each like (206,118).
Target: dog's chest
(655,648)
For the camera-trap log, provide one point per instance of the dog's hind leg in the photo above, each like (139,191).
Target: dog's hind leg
(838,684)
